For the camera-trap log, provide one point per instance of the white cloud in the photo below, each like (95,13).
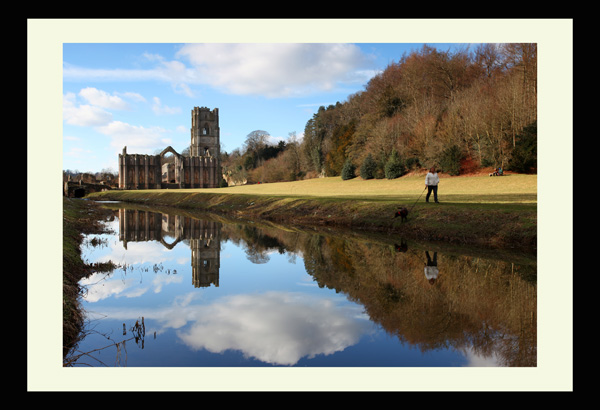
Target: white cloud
(153,57)
(103,99)
(76,152)
(94,113)
(83,115)
(137,139)
(275,70)
(159,109)
(86,115)
(74,73)
(272,70)
(133,96)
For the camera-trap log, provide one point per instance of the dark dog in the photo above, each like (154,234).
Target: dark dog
(402,213)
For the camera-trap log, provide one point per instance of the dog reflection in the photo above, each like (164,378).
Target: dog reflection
(402,247)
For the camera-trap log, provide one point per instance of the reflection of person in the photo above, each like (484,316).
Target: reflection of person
(431,269)
(431,182)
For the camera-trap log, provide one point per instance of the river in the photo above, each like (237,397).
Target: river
(205,291)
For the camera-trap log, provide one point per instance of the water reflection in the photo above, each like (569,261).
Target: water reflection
(275,327)
(204,239)
(431,268)
(261,295)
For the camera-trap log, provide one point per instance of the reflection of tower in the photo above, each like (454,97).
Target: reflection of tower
(173,226)
(206,250)
(204,239)
(137,226)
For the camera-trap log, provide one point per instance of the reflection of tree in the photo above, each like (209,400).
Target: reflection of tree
(476,302)
(256,256)
(481,305)
(258,244)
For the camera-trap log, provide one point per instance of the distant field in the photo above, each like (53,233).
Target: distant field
(511,188)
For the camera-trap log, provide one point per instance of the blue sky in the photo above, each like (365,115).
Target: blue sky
(140,95)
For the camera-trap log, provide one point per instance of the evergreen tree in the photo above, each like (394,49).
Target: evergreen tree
(524,156)
(394,167)
(348,170)
(368,168)
(450,160)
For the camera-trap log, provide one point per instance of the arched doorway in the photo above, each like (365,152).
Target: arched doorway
(169,159)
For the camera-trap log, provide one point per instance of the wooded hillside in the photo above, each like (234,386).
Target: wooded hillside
(455,110)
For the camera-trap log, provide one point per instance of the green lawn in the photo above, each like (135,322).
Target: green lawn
(512,188)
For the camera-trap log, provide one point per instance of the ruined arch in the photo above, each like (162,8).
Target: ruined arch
(169,169)
(171,150)
(168,245)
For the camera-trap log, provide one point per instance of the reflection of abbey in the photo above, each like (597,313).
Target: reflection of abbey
(201,169)
(204,238)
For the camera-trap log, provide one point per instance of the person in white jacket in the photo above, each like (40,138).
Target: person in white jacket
(431,182)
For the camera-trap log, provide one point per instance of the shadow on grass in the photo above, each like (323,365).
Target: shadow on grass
(496,201)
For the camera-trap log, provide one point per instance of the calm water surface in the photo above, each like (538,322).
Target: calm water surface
(206,292)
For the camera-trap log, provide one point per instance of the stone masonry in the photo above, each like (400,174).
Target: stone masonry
(202,169)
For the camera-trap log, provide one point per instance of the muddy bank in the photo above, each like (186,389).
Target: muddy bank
(482,225)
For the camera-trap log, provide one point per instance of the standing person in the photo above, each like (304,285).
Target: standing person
(431,182)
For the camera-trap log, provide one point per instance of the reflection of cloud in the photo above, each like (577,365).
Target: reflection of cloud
(102,286)
(475,360)
(136,253)
(173,317)
(99,288)
(276,327)
(161,280)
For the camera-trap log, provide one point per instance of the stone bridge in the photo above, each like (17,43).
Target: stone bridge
(74,189)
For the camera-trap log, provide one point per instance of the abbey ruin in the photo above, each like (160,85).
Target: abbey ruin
(201,169)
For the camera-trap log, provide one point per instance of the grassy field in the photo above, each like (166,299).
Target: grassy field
(482,210)
(513,188)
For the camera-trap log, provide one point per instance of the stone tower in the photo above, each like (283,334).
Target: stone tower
(205,131)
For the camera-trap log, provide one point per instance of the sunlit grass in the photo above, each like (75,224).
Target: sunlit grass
(472,189)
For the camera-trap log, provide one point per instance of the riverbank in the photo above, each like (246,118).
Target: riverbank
(490,213)
(79,218)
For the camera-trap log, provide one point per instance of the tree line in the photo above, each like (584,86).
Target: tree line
(459,110)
